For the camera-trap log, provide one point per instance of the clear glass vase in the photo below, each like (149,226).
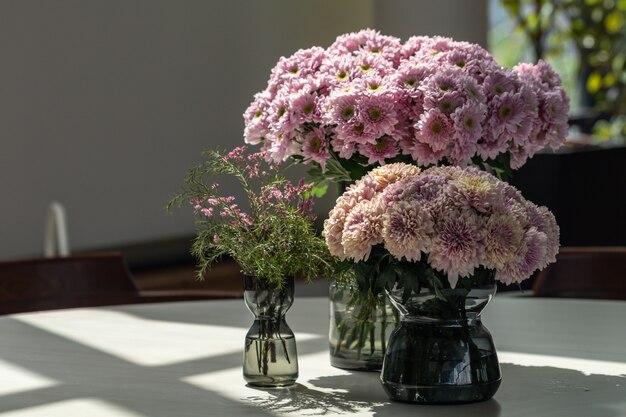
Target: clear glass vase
(359,328)
(270,357)
(441,353)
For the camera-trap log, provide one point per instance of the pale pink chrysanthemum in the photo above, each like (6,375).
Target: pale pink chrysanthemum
(348,43)
(413,45)
(344,148)
(376,153)
(388,47)
(378,114)
(424,154)
(362,230)
(369,64)
(462,151)
(410,76)
(407,231)
(255,118)
(530,258)
(468,121)
(552,233)
(477,191)
(424,189)
(499,82)
(339,69)
(435,129)
(392,173)
(519,155)
(508,110)
(343,107)
(333,232)
(282,147)
(302,63)
(280,117)
(543,220)
(492,144)
(315,147)
(457,247)
(368,41)
(503,239)
(305,107)
(362,190)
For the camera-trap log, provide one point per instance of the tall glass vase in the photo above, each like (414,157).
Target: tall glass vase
(270,356)
(441,352)
(359,327)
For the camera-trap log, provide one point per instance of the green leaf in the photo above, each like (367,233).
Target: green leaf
(319,189)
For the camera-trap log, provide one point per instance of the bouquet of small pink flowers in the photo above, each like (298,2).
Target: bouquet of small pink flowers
(369,99)
(273,237)
(449,222)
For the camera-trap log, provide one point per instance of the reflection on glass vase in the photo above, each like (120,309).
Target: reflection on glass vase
(270,356)
(359,327)
(441,352)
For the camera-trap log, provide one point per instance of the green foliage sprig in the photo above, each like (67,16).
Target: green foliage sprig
(274,239)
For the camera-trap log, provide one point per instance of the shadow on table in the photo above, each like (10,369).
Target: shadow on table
(525,391)
(350,394)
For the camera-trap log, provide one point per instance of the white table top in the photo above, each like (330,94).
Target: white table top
(559,358)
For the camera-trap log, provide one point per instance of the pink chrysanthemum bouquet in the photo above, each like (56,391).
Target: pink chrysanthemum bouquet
(369,99)
(451,221)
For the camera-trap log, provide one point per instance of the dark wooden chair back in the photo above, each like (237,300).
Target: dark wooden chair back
(78,281)
(596,272)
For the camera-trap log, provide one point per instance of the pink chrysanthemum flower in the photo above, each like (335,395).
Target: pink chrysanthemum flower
(477,191)
(425,189)
(457,247)
(305,107)
(302,63)
(362,190)
(378,114)
(499,82)
(362,230)
(376,153)
(407,231)
(343,107)
(530,257)
(503,239)
(344,148)
(255,117)
(468,121)
(424,154)
(340,69)
(372,64)
(435,129)
(283,147)
(413,45)
(392,173)
(280,116)
(315,147)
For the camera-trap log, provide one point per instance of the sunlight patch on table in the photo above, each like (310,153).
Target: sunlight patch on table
(586,366)
(305,398)
(142,341)
(14,379)
(82,407)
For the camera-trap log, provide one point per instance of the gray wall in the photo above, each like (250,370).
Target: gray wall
(105,104)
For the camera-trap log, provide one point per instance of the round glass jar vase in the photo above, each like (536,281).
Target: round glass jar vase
(440,352)
(359,327)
